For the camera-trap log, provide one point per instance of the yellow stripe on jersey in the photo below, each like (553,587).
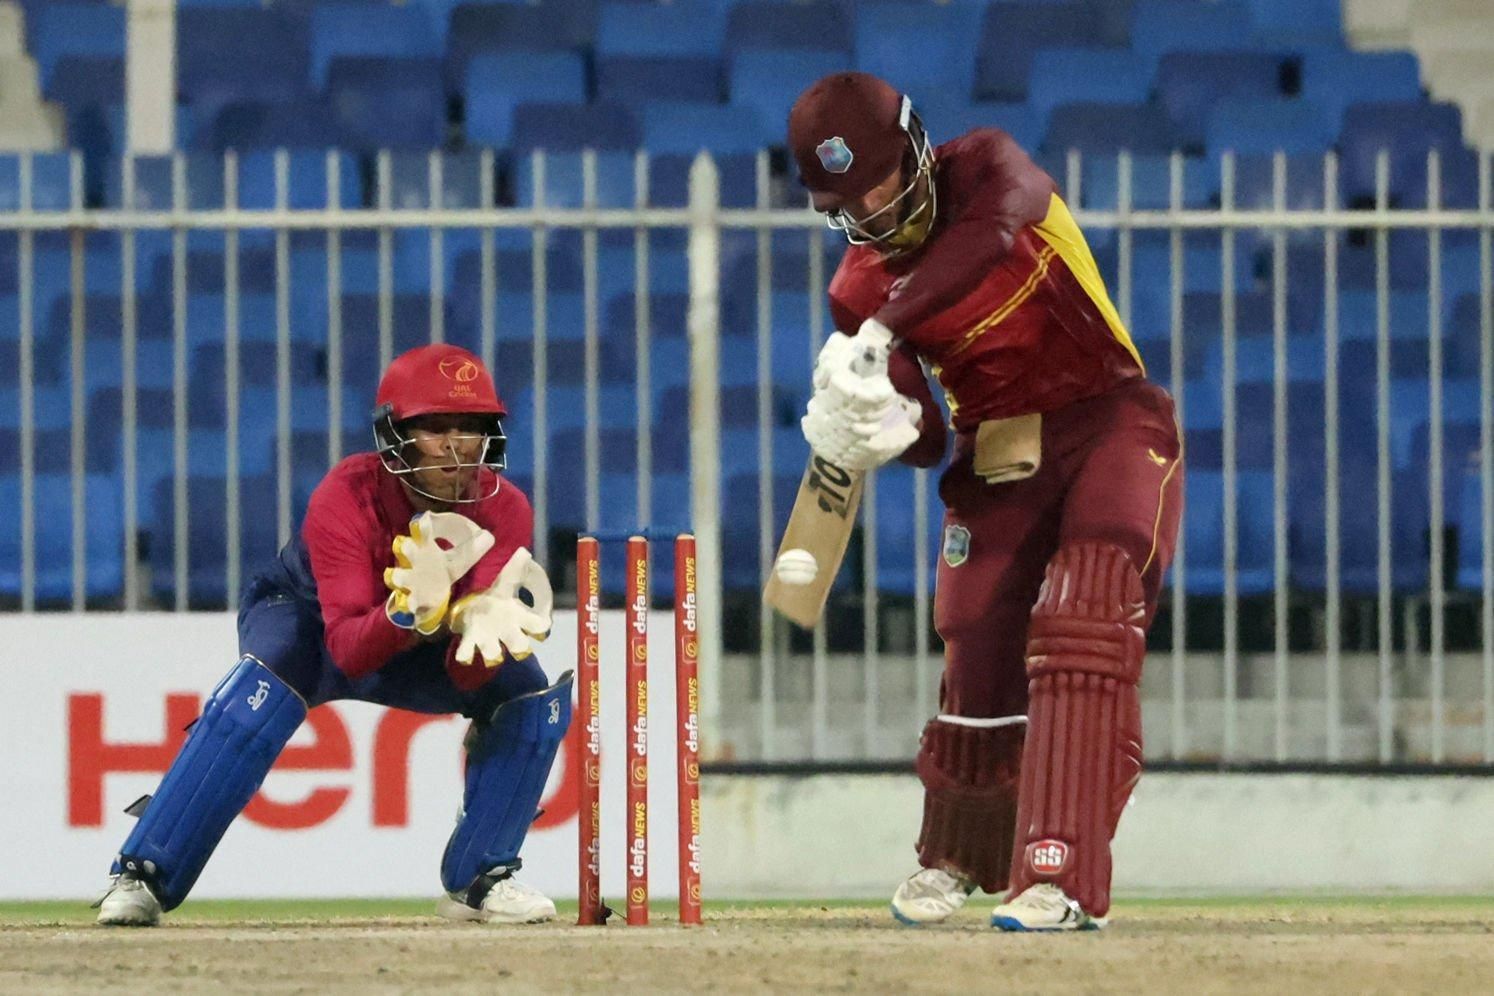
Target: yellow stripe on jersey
(949,398)
(1059,230)
(1011,304)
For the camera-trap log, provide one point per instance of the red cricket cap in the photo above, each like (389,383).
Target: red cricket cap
(846,134)
(439,379)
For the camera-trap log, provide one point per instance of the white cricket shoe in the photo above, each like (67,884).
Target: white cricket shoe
(930,895)
(508,901)
(129,903)
(1043,907)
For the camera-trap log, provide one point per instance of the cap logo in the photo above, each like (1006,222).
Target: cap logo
(834,155)
(459,369)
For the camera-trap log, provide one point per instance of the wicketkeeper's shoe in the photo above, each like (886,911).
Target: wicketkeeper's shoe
(1043,907)
(508,901)
(128,903)
(930,895)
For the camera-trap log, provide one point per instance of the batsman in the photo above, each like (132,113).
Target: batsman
(1062,497)
(402,588)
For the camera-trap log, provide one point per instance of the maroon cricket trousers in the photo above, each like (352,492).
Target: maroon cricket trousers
(1111,472)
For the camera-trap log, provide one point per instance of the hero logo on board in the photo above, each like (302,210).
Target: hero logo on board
(329,750)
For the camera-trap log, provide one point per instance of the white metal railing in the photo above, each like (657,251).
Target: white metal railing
(825,701)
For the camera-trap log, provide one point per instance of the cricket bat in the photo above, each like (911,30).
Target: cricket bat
(823,516)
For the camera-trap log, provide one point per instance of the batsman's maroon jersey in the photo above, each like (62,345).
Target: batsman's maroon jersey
(1004,300)
(348,535)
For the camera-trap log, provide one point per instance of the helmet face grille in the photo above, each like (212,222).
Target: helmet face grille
(910,232)
(393,446)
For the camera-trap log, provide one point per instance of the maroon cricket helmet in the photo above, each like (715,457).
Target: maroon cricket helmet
(846,134)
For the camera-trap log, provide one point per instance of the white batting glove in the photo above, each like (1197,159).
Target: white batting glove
(420,587)
(494,621)
(856,419)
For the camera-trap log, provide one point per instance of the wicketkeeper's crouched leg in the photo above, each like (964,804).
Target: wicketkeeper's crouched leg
(244,726)
(508,762)
(1083,751)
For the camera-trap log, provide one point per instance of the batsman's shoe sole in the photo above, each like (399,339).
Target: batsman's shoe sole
(907,921)
(1012,924)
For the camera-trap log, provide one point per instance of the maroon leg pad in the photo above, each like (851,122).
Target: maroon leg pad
(970,776)
(1083,753)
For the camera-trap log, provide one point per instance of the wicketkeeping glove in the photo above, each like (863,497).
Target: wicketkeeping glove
(420,587)
(493,621)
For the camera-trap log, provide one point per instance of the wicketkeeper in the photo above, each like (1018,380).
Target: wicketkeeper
(1062,498)
(401,588)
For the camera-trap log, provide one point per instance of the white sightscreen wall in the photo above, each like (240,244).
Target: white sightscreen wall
(377,794)
(369,811)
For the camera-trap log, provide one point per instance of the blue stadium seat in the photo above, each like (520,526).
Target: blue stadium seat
(1335,78)
(669,184)
(1086,75)
(1190,84)
(948,117)
(1162,26)
(78,81)
(1102,128)
(1255,185)
(920,49)
(897,528)
(635,79)
(1407,130)
(1471,534)
(154,183)
(739,535)
(304,122)
(564,187)
(738,404)
(243,54)
(685,129)
(50,182)
(1265,126)
(103,552)
(496,82)
(1151,182)
(461,180)
(1463,327)
(388,103)
(59,29)
(659,29)
(1255,358)
(1460,456)
(1299,22)
(562,127)
(207,532)
(768,80)
(1204,529)
(51,453)
(819,27)
(338,30)
(1011,33)
(491,27)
